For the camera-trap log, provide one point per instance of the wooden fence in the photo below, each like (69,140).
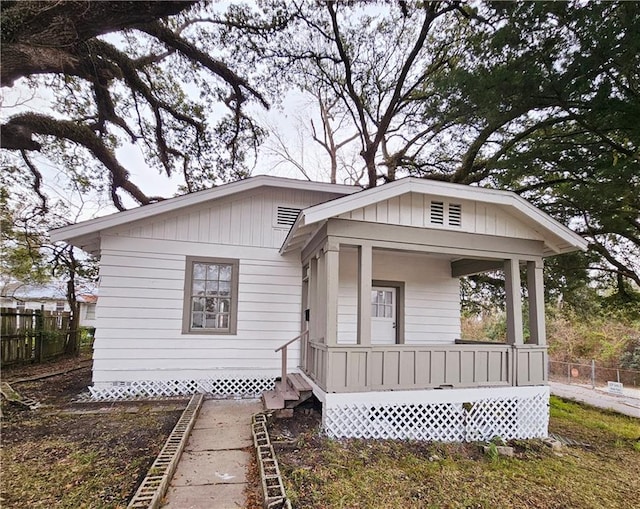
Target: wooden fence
(32,335)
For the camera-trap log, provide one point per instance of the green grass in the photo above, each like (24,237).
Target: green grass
(323,473)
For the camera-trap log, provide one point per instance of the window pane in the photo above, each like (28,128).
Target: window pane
(374,310)
(210,321)
(388,312)
(197,321)
(199,271)
(388,298)
(223,321)
(211,305)
(212,288)
(198,304)
(374,297)
(225,272)
(198,287)
(224,288)
(225,306)
(212,272)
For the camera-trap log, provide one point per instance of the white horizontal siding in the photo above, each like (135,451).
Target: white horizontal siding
(139,331)
(413,209)
(432,296)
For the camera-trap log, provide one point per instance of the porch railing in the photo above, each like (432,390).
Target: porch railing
(283,349)
(356,368)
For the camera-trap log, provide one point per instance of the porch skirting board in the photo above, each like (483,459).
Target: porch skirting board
(223,387)
(449,415)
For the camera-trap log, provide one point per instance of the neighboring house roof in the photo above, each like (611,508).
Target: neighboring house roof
(53,291)
(86,233)
(557,237)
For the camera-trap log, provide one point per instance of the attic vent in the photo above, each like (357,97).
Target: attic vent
(455,214)
(437,212)
(287,216)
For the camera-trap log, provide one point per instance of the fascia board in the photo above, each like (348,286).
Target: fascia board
(172,204)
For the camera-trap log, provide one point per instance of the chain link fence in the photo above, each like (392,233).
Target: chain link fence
(592,374)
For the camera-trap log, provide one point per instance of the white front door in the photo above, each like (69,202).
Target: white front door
(383,315)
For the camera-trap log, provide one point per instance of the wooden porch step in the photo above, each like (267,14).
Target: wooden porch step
(272,400)
(287,392)
(297,381)
(297,390)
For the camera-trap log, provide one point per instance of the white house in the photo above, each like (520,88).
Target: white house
(198,292)
(48,297)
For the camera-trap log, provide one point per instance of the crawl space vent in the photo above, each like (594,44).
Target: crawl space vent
(287,216)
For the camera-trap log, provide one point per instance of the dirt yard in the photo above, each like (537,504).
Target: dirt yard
(76,455)
(600,471)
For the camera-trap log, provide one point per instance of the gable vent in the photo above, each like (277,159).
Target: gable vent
(455,214)
(287,216)
(437,212)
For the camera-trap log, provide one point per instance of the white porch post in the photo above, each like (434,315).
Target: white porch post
(365,255)
(331,272)
(535,288)
(514,302)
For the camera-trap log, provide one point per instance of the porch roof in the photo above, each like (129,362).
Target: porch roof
(557,238)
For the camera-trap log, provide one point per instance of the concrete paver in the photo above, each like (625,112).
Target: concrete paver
(211,467)
(227,496)
(224,436)
(212,471)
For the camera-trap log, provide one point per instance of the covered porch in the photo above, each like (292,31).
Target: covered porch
(359,277)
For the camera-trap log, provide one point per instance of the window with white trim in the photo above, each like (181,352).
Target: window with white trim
(211,296)
(60,306)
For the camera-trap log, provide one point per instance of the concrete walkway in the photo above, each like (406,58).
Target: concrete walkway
(628,404)
(212,471)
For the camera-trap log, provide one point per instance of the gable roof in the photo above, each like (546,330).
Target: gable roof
(86,233)
(557,237)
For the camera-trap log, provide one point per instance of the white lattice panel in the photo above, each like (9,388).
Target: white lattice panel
(482,419)
(218,388)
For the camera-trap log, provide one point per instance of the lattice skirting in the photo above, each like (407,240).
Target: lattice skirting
(216,387)
(457,415)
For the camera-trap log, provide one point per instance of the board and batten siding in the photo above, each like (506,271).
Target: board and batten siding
(142,273)
(432,296)
(414,209)
(244,219)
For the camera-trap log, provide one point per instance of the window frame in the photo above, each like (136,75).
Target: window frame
(188,285)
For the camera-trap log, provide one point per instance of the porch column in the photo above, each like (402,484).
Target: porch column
(331,269)
(535,289)
(514,302)
(365,254)
(313,298)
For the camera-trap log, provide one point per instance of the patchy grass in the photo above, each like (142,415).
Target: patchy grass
(323,473)
(61,457)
